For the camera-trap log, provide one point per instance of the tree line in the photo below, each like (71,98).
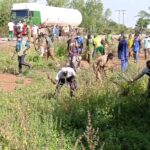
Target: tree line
(95,19)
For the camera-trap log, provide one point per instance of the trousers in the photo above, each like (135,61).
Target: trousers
(21,62)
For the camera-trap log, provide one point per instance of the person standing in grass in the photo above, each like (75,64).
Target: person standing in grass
(21,49)
(67,76)
(123,53)
(79,43)
(11,26)
(136,47)
(97,43)
(147,46)
(108,38)
(130,45)
(89,48)
(145,71)
(102,65)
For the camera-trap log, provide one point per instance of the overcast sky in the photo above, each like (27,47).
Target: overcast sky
(132,8)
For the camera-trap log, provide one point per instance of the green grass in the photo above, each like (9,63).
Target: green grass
(98,117)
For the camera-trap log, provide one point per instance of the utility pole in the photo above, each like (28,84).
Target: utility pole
(119,11)
(123,15)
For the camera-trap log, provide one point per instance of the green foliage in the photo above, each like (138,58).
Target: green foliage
(5,7)
(143,20)
(61,48)
(92,13)
(58,3)
(30,117)
(142,23)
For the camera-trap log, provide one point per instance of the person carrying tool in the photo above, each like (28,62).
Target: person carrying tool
(102,65)
(67,76)
(141,74)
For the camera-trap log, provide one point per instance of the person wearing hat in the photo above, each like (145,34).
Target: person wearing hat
(123,53)
(67,76)
(21,48)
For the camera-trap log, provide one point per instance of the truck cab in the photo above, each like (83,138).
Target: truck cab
(23,12)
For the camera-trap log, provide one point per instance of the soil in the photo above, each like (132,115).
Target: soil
(10,82)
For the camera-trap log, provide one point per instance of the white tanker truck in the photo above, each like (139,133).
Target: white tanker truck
(38,14)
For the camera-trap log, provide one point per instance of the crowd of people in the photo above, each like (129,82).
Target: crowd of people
(95,49)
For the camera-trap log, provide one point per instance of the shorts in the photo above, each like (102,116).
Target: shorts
(68,80)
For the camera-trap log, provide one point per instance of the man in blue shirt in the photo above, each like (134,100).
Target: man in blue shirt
(123,53)
(79,43)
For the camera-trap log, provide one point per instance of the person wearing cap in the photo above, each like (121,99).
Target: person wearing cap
(21,48)
(67,76)
(123,53)
(102,65)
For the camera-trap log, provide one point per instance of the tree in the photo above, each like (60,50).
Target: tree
(5,7)
(143,20)
(143,14)
(92,13)
(142,23)
(58,3)
(107,13)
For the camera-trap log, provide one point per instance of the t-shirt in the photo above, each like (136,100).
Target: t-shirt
(21,47)
(130,43)
(147,43)
(35,30)
(80,41)
(143,72)
(70,73)
(11,26)
(97,41)
(108,38)
(21,26)
(49,42)
(90,44)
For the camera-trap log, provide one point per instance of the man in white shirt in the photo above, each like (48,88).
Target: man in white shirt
(35,32)
(65,76)
(147,46)
(11,30)
(20,24)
